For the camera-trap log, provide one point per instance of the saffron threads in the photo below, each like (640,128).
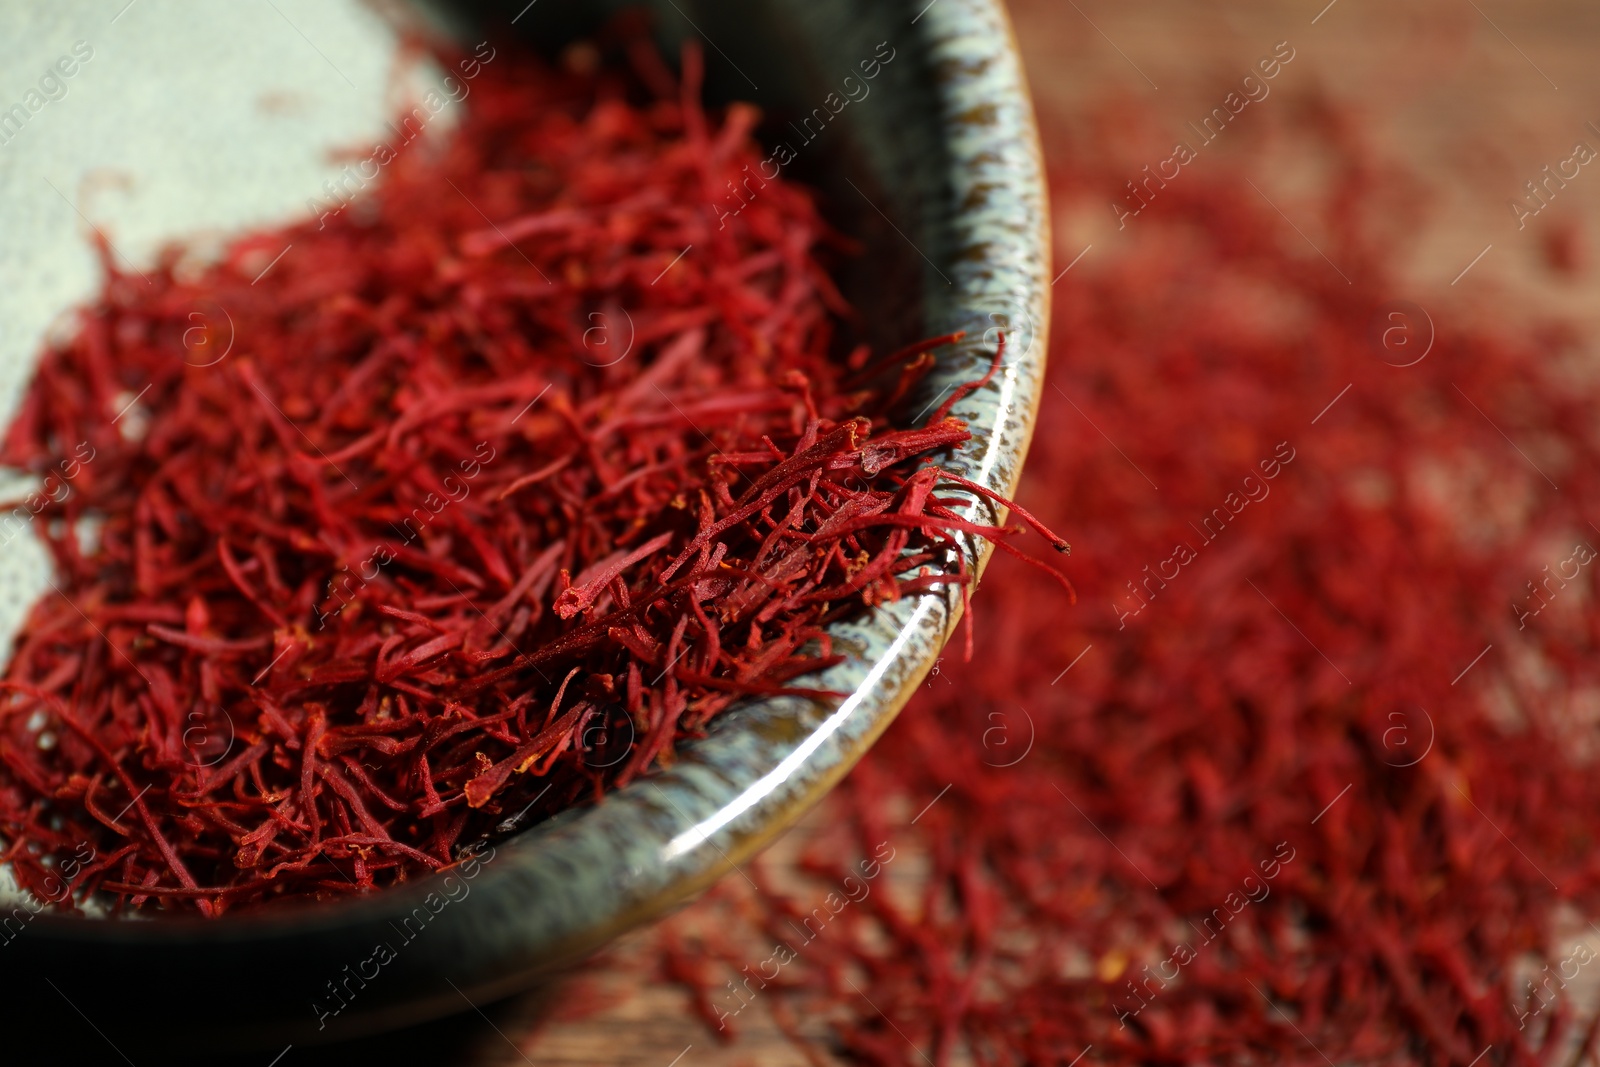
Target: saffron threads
(506,480)
(1320,788)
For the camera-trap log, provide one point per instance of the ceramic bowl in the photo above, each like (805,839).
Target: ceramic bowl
(933,163)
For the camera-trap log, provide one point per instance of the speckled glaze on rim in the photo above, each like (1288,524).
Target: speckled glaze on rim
(946,148)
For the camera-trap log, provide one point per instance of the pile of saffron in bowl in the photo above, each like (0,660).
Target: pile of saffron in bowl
(451,508)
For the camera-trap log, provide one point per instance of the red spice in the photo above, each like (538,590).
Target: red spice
(506,479)
(1319,792)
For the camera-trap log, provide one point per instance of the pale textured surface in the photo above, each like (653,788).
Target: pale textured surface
(187,121)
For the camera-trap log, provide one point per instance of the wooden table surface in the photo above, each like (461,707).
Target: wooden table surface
(1479,95)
